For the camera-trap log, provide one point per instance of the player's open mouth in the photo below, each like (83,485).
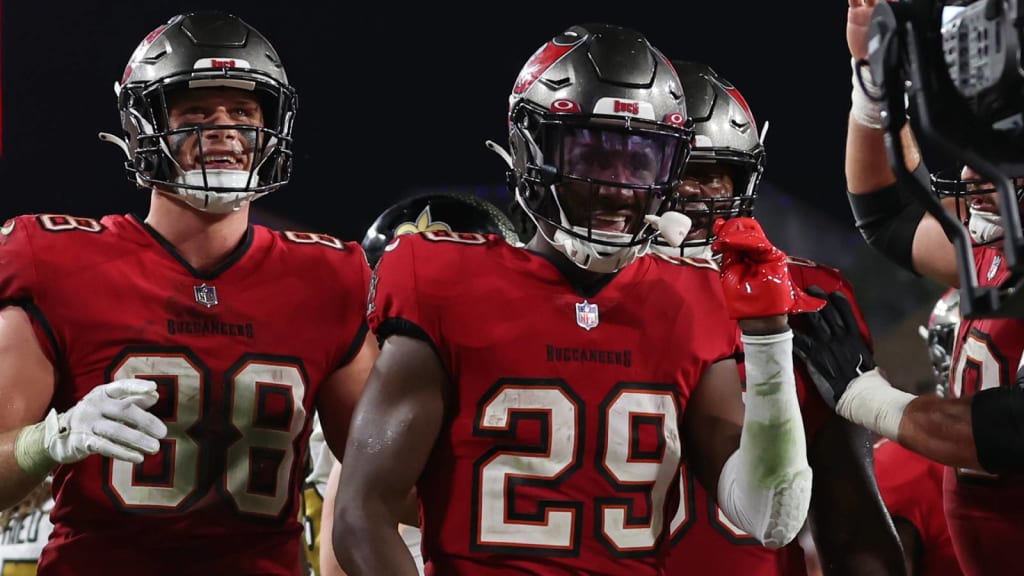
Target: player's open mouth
(699,228)
(699,214)
(984,205)
(611,221)
(221,161)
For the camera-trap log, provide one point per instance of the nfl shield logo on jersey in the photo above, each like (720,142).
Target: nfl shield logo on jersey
(586,315)
(206,295)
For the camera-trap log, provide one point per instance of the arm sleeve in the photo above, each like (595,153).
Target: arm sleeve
(765,485)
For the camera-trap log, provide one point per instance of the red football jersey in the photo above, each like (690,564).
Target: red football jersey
(561,448)
(238,354)
(985,513)
(911,486)
(704,540)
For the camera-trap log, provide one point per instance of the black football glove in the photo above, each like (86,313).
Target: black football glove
(830,344)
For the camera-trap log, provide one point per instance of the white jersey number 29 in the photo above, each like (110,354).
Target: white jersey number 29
(512,473)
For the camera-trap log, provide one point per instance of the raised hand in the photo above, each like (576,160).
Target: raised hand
(857,19)
(755,275)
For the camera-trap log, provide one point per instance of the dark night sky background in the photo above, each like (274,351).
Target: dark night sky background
(395,98)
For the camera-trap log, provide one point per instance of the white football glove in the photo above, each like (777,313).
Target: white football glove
(111,420)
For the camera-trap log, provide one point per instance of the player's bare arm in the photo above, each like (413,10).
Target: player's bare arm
(393,431)
(337,401)
(852,530)
(26,387)
(888,218)
(941,430)
(337,398)
(328,559)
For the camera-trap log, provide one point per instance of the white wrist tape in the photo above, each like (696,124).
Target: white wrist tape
(30,449)
(873,403)
(864,110)
(765,486)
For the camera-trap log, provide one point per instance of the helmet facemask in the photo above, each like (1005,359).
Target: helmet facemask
(713,188)
(265,148)
(980,215)
(588,182)
(940,335)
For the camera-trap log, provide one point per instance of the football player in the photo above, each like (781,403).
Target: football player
(853,533)
(540,399)
(165,369)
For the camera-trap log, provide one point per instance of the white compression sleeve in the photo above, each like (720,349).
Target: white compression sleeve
(765,486)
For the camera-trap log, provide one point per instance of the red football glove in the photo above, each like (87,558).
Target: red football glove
(755,276)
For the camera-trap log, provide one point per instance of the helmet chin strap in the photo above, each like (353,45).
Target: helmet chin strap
(985,227)
(215,202)
(582,253)
(703,251)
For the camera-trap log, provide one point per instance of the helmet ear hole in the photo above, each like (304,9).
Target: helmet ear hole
(510,181)
(527,192)
(520,118)
(143,164)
